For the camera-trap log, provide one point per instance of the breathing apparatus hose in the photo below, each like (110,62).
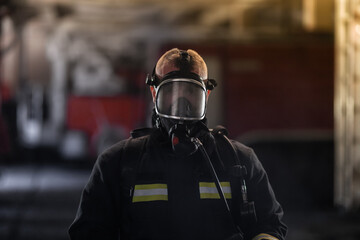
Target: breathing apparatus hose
(200,146)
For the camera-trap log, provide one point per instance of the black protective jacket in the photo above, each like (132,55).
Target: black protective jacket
(174,206)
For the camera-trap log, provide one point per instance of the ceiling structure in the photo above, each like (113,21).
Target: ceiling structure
(133,28)
(127,24)
(133,31)
(178,19)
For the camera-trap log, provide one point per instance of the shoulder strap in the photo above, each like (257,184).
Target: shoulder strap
(133,151)
(140,132)
(135,147)
(239,169)
(245,211)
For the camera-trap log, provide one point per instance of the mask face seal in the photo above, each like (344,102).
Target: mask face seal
(181,99)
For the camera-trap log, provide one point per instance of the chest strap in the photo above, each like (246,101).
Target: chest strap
(131,158)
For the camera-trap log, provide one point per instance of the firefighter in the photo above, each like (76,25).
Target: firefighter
(178,179)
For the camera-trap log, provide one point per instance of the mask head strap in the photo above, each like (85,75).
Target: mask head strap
(184,63)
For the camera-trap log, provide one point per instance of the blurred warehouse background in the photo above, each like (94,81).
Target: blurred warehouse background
(72,83)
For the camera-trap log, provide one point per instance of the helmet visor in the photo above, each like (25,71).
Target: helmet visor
(183,99)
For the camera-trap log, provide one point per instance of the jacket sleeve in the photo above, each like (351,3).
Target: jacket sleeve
(97,215)
(268,210)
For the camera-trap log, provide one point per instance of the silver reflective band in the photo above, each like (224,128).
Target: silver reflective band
(148,192)
(181,98)
(208,190)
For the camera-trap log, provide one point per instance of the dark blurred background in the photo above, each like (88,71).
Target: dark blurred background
(72,83)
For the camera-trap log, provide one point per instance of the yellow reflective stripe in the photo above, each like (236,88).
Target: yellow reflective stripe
(150,186)
(209,195)
(150,192)
(228,195)
(264,236)
(208,190)
(150,198)
(212,184)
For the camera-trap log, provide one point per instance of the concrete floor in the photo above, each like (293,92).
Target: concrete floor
(39,202)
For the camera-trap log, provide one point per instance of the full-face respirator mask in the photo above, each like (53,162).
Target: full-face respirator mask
(180,103)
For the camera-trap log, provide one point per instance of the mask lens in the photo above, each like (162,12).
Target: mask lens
(181,100)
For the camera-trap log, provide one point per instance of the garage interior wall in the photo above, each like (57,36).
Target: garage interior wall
(347,104)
